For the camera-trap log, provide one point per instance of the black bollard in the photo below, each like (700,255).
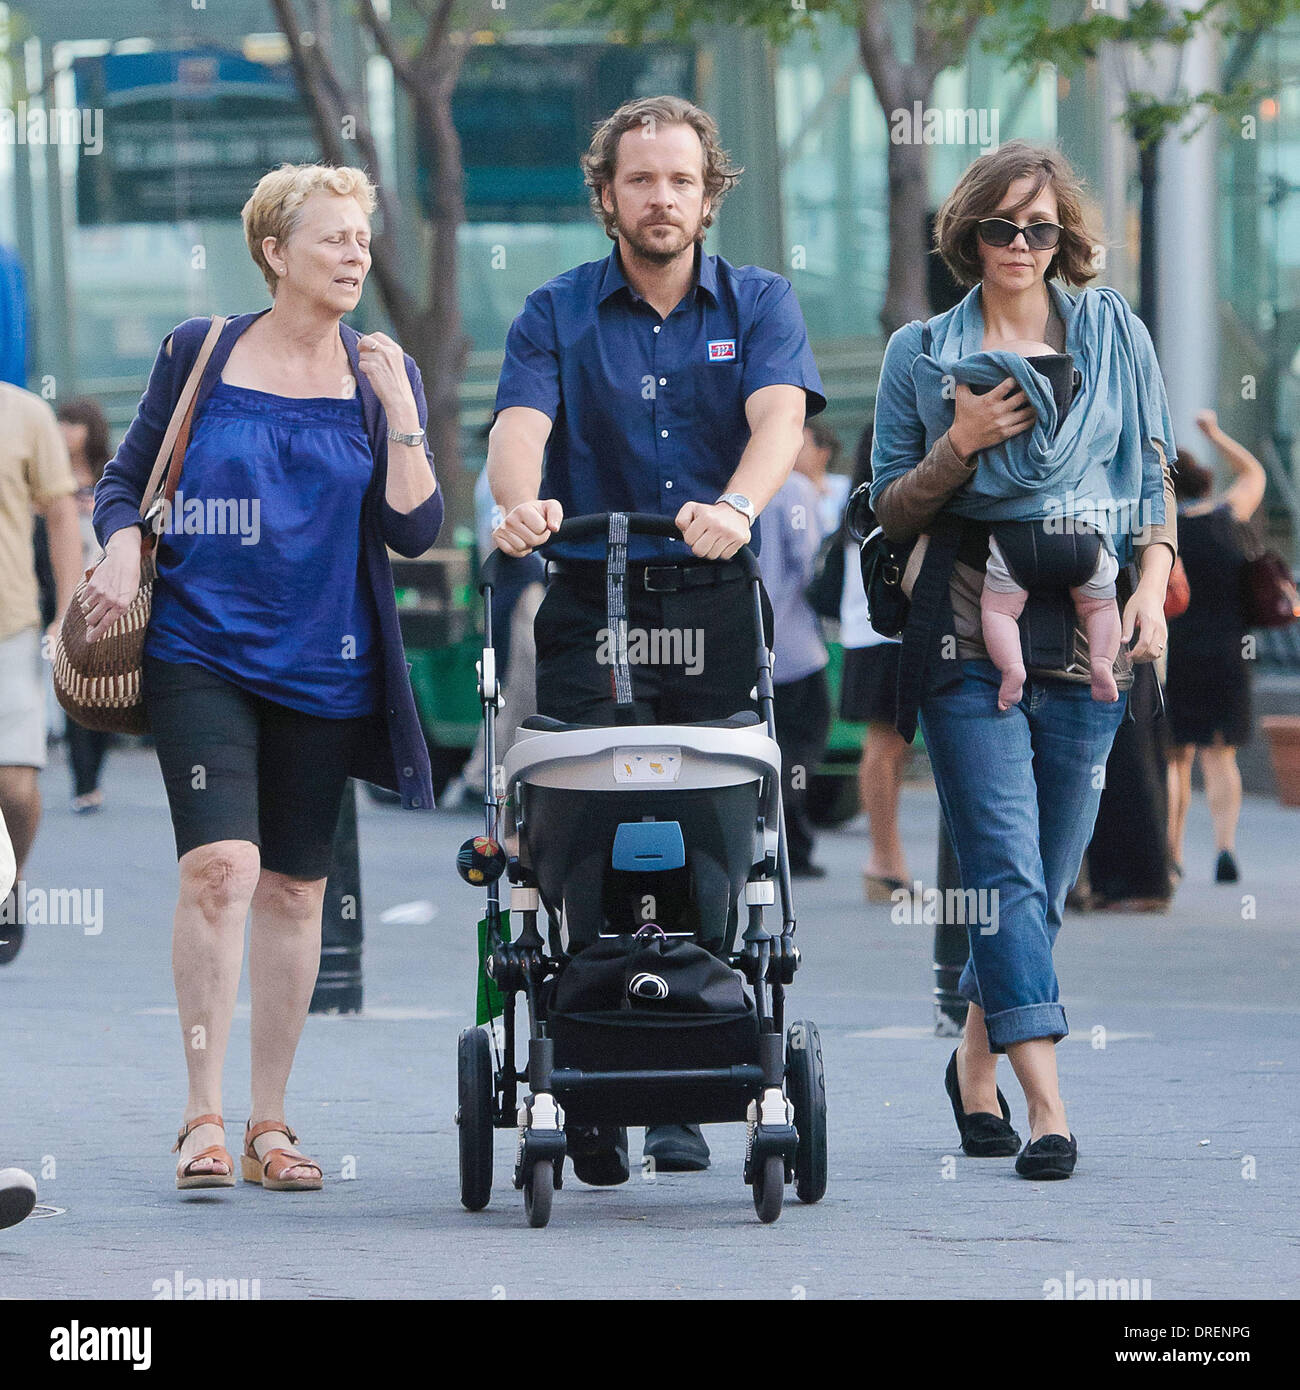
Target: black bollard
(338,985)
(951,946)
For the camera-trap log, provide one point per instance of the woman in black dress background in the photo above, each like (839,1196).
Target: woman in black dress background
(1207,686)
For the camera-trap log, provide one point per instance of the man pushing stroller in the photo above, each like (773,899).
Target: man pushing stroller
(660,379)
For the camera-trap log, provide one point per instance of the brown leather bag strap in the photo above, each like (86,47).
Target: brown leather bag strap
(171,452)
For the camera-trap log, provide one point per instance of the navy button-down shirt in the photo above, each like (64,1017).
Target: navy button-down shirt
(649,413)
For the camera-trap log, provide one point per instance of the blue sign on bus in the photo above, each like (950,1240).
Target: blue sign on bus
(187,134)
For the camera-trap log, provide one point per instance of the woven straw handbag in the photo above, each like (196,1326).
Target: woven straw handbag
(99,683)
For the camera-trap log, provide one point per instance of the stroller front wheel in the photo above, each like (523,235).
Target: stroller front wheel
(539,1189)
(769,1188)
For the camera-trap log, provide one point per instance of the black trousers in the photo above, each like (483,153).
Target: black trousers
(803,720)
(1129,853)
(692,654)
(86,751)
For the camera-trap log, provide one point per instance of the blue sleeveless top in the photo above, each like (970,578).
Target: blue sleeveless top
(259,569)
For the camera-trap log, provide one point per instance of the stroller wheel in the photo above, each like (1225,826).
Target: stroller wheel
(474,1117)
(769,1188)
(539,1188)
(805,1083)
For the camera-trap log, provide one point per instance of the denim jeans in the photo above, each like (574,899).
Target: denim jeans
(1019,792)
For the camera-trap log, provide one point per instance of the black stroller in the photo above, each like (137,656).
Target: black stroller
(639,844)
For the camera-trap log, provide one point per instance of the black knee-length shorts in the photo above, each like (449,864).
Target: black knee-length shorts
(240,767)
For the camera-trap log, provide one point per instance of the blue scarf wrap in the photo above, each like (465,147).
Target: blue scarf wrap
(1100,467)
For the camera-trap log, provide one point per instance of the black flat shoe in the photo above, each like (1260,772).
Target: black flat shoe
(983,1135)
(17,1196)
(1225,868)
(676,1148)
(599,1155)
(1051,1157)
(11,941)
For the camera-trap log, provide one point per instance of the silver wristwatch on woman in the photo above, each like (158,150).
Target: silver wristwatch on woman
(397,437)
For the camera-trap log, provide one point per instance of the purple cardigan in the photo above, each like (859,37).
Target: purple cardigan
(393,754)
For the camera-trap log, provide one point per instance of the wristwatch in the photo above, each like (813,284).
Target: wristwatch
(398,437)
(740,503)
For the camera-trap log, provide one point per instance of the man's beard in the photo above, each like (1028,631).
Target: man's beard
(656,253)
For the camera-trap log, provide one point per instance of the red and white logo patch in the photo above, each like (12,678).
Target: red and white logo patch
(722,350)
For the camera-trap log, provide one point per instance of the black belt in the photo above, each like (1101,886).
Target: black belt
(654,579)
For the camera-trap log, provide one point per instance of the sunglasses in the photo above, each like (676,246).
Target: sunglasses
(1039,236)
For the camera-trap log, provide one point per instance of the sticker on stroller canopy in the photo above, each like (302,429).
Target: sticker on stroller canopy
(647,764)
(722,350)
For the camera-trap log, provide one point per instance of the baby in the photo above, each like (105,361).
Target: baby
(1080,561)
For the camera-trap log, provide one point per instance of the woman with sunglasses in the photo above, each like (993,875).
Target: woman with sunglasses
(1019,787)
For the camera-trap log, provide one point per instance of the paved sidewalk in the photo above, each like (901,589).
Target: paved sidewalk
(1186,1116)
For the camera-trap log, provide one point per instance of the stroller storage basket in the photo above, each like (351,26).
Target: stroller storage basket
(619,1045)
(628,1005)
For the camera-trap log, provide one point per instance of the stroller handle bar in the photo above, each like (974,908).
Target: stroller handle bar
(640,524)
(576,528)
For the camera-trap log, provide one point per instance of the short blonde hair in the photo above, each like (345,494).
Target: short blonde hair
(276,204)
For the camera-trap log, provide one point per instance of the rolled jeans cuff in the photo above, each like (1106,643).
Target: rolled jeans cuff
(1025,1022)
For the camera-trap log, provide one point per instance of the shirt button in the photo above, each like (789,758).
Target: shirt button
(416,802)
(408,772)
(658,326)
(663,434)
(663,381)
(669,483)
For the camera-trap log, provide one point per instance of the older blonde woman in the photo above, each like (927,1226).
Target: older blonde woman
(273,665)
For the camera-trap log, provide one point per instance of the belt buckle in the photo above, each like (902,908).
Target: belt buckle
(651,588)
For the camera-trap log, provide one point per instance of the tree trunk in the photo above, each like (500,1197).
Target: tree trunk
(1147,269)
(936,44)
(442,340)
(906,295)
(428,328)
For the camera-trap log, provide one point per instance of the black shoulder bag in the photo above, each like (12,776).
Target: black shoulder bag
(883,561)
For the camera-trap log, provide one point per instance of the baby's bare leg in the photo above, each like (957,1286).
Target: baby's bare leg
(999,615)
(1101,621)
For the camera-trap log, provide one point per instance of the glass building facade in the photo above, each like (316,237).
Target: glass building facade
(804,121)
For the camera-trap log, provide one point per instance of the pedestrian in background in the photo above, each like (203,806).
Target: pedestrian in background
(85,432)
(35,475)
(818,461)
(801,699)
(1207,684)
(869,694)
(17,1188)
(274,666)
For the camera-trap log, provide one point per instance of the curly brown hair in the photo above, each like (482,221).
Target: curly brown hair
(646,113)
(982,187)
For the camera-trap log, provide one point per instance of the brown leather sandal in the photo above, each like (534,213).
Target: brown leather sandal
(185,1177)
(267,1171)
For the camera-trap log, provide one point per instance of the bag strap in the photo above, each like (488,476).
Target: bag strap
(171,452)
